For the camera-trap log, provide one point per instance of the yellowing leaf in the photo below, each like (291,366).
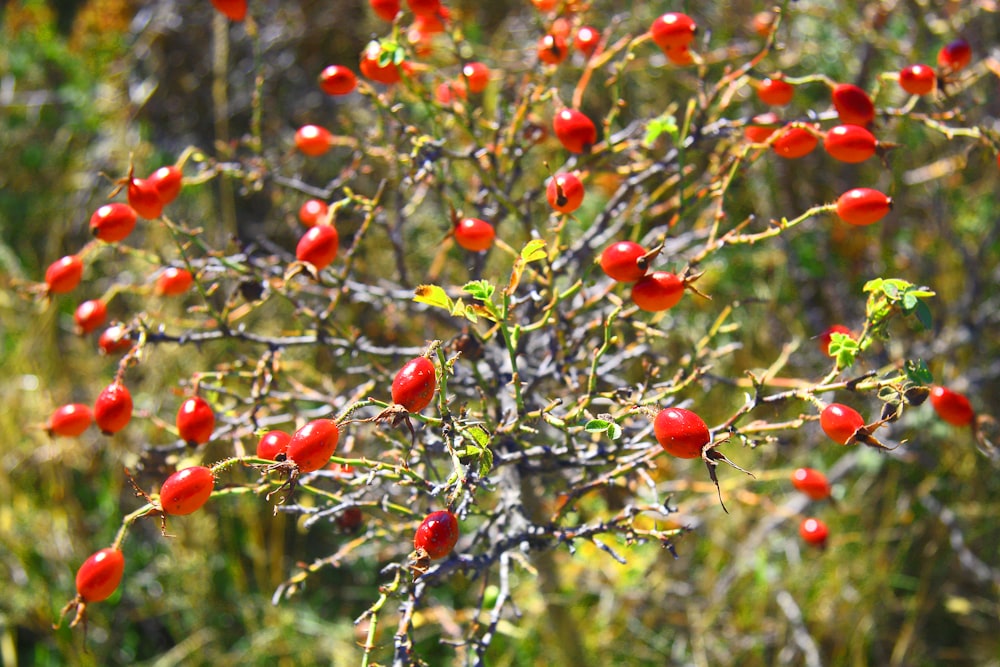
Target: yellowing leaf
(432,295)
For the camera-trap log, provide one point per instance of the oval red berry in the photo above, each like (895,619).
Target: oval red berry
(318,246)
(952,406)
(100,575)
(853,104)
(173,281)
(673,30)
(70,420)
(113,222)
(621,261)
(63,275)
(113,408)
(575,131)
(272,445)
(681,432)
(337,80)
(474,234)
(564,192)
(814,532)
(90,315)
(313,140)
(917,79)
(840,422)
(195,421)
(187,490)
(811,482)
(437,534)
(312,445)
(660,290)
(414,384)
(850,143)
(863,206)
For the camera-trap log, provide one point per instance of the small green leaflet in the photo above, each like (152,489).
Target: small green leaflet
(612,429)
(666,123)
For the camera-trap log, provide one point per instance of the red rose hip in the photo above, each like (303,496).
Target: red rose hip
(186,490)
(681,432)
(100,575)
(195,421)
(437,534)
(414,384)
(840,422)
(312,445)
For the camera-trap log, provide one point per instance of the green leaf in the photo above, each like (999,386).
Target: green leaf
(666,123)
(924,315)
(480,290)
(534,251)
(614,431)
(873,285)
(479,434)
(485,462)
(917,372)
(597,426)
(890,289)
(432,295)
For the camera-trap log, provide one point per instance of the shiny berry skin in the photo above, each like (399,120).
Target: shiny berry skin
(814,532)
(474,234)
(144,198)
(826,337)
(680,55)
(385,9)
(234,10)
(100,575)
(853,104)
(312,445)
(917,79)
(173,281)
(955,55)
(437,534)
(272,444)
(621,261)
(70,420)
(370,68)
(195,421)
(64,274)
(167,181)
(414,384)
(811,482)
(574,130)
(113,408)
(114,340)
(850,143)
(681,432)
(775,92)
(337,80)
(477,76)
(313,212)
(952,407)
(564,192)
(552,49)
(840,422)
(318,246)
(113,222)
(586,39)
(660,290)
(313,140)
(186,490)
(673,30)
(90,315)
(794,142)
(762,127)
(863,206)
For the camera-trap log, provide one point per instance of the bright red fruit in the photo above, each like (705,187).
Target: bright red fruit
(63,275)
(574,130)
(794,142)
(385,9)
(673,30)
(853,104)
(552,49)
(100,575)
(775,92)
(477,76)
(167,181)
(174,281)
(952,407)
(425,7)
(814,531)
(90,315)
(545,5)
(474,234)
(318,246)
(762,127)
(811,482)
(564,192)
(144,198)
(437,534)
(621,261)
(195,421)
(313,212)
(187,490)
(273,444)
(312,445)
(660,290)
(850,143)
(414,384)
(113,340)
(113,222)
(313,140)
(680,55)
(113,408)
(234,10)
(70,420)
(863,206)
(369,66)
(840,422)
(350,519)
(337,80)
(450,91)
(917,79)
(586,39)
(955,55)
(681,432)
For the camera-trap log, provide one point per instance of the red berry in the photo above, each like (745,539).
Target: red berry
(437,534)
(826,337)
(370,68)
(811,482)
(586,39)
(318,246)
(564,192)
(681,432)
(660,290)
(917,79)
(313,140)
(814,531)
(474,234)
(840,422)
(385,9)
(794,142)
(853,104)
(70,420)
(273,444)
(90,315)
(414,384)
(775,92)
(449,91)
(350,519)
(313,212)
(63,275)
(100,575)
(952,407)
(234,10)
(195,421)
(863,206)
(312,445)
(113,340)
(174,281)
(186,490)
(955,55)
(621,261)
(762,127)
(144,198)
(673,30)
(337,80)
(680,55)
(545,5)
(850,143)
(113,222)
(424,7)
(574,130)
(477,75)
(113,408)
(552,49)
(168,182)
